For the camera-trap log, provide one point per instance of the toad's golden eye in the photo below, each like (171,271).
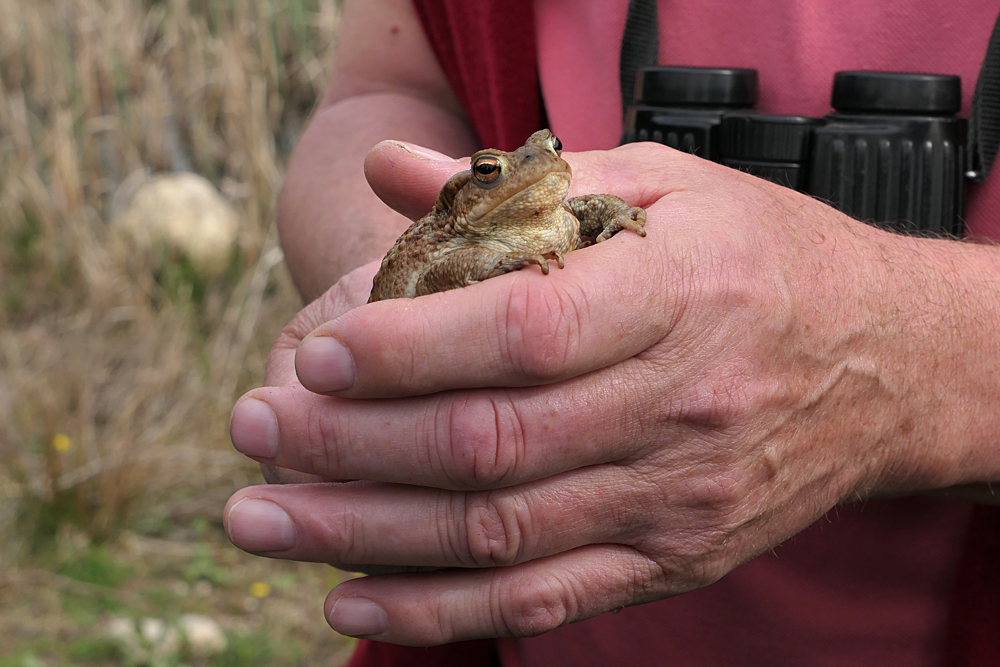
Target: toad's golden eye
(556,144)
(487,169)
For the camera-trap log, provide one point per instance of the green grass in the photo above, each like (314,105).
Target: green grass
(204,567)
(83,651)
(93,650)
(23,658)
(96,565)
(249,650)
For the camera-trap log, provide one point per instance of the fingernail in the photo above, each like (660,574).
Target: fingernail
(260,525)
(357,617)
(253,428)
(324,365)
(421,152)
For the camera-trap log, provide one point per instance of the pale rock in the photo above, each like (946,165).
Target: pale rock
(153,639)
(152,630)
(204,636)
(162,639)
(122,630)
(187,213)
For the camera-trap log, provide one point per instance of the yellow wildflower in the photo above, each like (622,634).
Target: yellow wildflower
(260,589)
(62,442)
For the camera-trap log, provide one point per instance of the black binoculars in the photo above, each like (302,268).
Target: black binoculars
(892,153)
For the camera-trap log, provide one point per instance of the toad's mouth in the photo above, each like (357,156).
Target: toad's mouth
(549,191)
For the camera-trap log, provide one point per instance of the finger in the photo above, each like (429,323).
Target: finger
(348,293)
(521,601)
(610,302)
(408,177)
(478,439)
(276,475)
(392,524)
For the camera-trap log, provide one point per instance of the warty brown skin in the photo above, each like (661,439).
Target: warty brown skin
(487,224)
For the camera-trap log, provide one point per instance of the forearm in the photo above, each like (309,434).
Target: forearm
(329,219)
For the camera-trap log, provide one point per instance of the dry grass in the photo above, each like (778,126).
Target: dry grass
(118,368)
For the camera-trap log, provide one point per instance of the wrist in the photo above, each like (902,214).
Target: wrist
(933,340)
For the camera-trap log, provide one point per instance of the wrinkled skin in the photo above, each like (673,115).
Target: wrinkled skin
(627,429)
(511,216)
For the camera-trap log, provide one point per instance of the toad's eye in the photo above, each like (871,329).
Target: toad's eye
(486,169)
(556,144)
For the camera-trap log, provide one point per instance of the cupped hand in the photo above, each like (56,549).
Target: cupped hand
(629,428)
(350,292)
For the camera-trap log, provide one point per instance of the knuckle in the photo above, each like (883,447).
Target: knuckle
(541,328)
(288,339)
(718,496)
(700,560)
(404,359)
(722,399)
(531,606)
(493,533)
(652,151)
(480,438)
(708,495)
(401,362)
(332,303)
(712,510)
(320,450)
(344,538)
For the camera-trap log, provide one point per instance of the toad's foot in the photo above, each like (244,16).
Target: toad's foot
(543,261)
(603,216)
(634,219)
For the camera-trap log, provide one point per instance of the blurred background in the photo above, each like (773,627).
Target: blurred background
(142,146)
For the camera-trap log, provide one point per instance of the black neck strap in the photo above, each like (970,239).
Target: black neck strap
(984,116)
(640,48)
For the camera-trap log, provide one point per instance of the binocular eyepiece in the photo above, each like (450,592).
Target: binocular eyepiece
(892,152)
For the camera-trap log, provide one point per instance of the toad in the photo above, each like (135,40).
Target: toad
(507,212)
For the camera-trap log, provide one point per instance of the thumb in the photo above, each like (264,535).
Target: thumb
(408,177)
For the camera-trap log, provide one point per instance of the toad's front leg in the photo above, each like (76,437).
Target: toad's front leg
(469,266)
(604,216)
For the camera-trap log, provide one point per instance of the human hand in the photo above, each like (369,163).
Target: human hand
(629,428)
(413,197)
